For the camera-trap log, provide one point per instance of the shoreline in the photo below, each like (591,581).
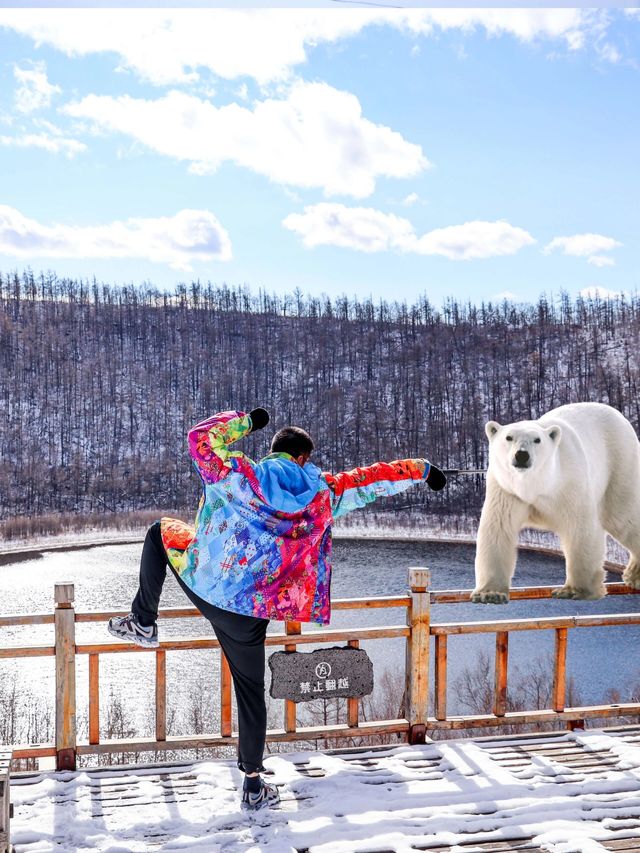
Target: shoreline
(29,550)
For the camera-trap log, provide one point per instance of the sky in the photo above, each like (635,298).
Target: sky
(476,153)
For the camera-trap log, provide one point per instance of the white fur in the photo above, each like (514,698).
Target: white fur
(583,480)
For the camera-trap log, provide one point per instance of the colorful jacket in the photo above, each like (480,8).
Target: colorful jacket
(261,544)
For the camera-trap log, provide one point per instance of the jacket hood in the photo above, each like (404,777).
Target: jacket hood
(285,485)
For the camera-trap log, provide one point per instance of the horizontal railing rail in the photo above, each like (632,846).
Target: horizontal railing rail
(417,631)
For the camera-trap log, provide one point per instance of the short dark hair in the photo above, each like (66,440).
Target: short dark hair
(292,440)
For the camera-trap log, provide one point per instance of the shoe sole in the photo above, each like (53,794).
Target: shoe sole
(137,641)
(263,805)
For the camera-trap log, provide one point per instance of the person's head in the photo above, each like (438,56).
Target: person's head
(294,441)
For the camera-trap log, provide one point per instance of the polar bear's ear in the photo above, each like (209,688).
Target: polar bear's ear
(554,433)
(491,429)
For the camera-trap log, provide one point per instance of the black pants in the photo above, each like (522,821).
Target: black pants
(241,639)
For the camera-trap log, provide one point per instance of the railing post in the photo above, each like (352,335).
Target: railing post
(417,666)
(65,636)
(290,709)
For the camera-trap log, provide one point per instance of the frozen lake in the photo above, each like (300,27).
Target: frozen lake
(106,578)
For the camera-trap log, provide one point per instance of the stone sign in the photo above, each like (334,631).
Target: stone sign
(322,674)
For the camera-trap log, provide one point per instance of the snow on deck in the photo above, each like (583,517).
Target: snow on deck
(560,792)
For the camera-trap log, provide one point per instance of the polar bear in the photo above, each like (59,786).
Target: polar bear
(575,471)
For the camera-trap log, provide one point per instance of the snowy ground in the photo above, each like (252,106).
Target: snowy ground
(563,792)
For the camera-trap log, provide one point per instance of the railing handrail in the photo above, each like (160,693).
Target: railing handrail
(11,620)
(535,624)
(441,596)
(520,593)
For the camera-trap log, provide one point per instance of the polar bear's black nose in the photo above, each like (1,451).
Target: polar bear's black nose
(522,459)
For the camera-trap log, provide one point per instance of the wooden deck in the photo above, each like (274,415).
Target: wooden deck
(560,791)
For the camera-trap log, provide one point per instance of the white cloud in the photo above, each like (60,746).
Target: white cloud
(48,142)
(361,228)
(169,46)
(412,198)
(33,90)
(315,137)
(609,53)
(190,235)
(506,294)
(588,246)
(368,230)
(473,240)
(601,261)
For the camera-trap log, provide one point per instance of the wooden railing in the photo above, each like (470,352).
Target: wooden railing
(66,649)
(500,716)
(417,632)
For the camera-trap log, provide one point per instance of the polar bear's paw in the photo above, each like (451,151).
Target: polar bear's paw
(489,597)
(631,575)
(568,591)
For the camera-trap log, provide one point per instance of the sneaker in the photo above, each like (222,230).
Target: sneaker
(128,628)
(267,796)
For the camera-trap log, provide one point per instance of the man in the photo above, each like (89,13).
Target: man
(260,549)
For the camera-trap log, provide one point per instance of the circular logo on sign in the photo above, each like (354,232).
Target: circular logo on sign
(323,670)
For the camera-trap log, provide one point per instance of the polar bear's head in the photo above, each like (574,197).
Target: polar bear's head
(522,449)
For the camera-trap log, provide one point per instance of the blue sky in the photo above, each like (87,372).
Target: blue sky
(470,153)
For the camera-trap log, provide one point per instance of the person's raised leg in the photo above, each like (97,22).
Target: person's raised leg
(139,626)
(153,573)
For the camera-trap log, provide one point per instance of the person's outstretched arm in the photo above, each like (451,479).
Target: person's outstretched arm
(209,442)
(355,489)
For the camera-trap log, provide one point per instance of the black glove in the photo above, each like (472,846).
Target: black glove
(436,479)
(259,418)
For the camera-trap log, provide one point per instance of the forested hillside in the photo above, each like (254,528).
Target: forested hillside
(99,384)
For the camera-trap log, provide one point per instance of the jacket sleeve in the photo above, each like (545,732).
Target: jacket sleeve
(209,445)
(355,489)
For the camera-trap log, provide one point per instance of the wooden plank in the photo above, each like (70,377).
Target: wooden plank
(623,844)
(225,697)
(161,695)
(290,709)
(520,593)
(27,619)
(496,845)
(527,738)
(502,662)
(571,763)
(382,601)
(65,636)
(163,613)
(94,699)
(543,716)
(5,806)
(27,651)
(535,624)
(312,637)
(371,603)
(204,741)
(417,672)
(35,751)
(560,670)
(441,677)
(550,751)
(353,704)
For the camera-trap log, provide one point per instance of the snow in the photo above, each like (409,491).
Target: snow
(393,799)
